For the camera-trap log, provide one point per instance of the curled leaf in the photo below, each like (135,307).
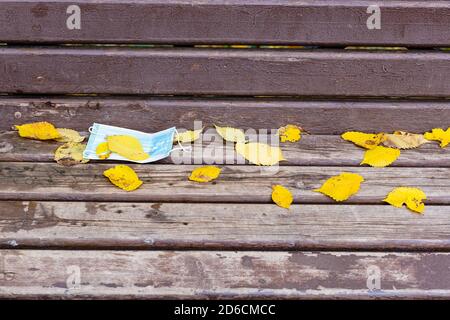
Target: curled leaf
(403,140)
(103,151)
(123,177)
(412,197)
(69,135)
(188,136)
(380,156)
(127,146)
(341,187)
(231,134)
(38,130)
(439,134)
(260,153)
(205,174)
(70,153)
(282,196)
(365,140)
(290,132)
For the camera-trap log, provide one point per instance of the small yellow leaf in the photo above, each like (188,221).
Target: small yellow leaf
(260,153)
(412,197)
(290,132)
(231,134)
(38,130)
(188,136)
(205,174)
(123,177)
(282,196)
(69,135)
(341,187)
(365,140)
(380,156)
(127,146)
(70,153)
(103,151)
(439,134)
(403,140)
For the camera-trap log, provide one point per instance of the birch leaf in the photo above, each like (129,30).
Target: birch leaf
(123,177)
(341,187)
(205,174)
(103,151)
(439,134)
(70,154)
(365,140)
(127,146)
(69,135)
(260,153)
(380,156)
(231,134)
(403,140)
(411,197)
(38,131)
(282,196)
(188,136)
(290,132)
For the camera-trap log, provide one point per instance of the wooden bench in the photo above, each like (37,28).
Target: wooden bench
(149,65)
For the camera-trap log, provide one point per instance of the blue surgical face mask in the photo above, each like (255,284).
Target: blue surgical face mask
(158,145)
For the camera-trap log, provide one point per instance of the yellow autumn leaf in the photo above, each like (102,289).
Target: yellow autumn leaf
(69,135)
(188,136)
(103,151)
(127,146)
(123,177)
(260,153)
(38,130)
(290,132)
(341,187)
(380,156)
(205,174)
(365,140)
(439,134)
(282,196)
(231,134)
(70,153)
(403,140)
(412,197)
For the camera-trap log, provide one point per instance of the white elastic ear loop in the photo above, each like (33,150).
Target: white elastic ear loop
(180,145)
(90,129)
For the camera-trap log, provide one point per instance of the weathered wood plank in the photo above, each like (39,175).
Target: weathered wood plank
(25,224)
(221,274)
(225,72)
(150,115)
(311,150)
(327,22)
(248,184)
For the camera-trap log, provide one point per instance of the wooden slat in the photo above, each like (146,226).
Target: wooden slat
(326,22)
(151,115)
(249,184)
(311,150)
(224,72)
(220,226)
(222,274)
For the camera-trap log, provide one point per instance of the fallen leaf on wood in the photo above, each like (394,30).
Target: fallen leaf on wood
(365,140)
(403,140)
(282,196)
(70,154)
(231,134)
(290,132)
(38,131)
(123,177)
(380,156)
(127,146)
(188,136)
(260,153)
(103,151)
(412,197)
(439,134)
(341,187)
(69,135)
(205,174)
